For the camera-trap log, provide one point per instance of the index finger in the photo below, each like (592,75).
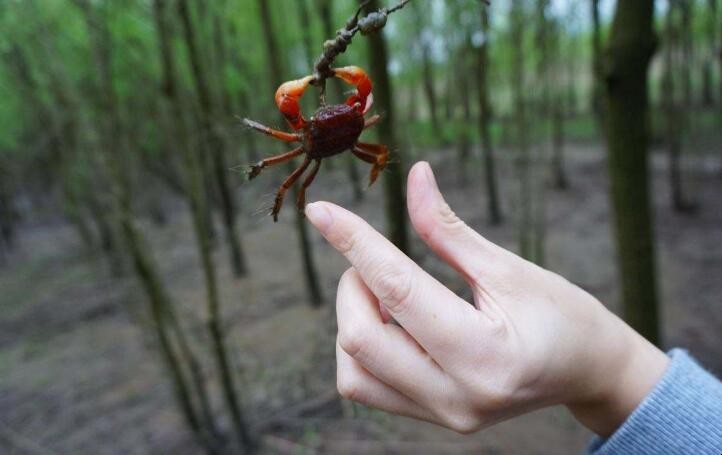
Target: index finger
(428,310)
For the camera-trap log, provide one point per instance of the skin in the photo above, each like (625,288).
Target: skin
(408,345)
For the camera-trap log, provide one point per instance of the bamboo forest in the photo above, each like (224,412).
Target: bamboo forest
(163,292)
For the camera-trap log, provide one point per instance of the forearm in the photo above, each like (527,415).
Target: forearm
(627,370)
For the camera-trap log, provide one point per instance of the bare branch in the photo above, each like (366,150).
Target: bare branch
(371,23)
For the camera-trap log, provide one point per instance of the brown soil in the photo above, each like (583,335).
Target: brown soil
(79,373)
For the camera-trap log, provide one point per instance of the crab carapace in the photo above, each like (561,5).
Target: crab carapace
(330,131)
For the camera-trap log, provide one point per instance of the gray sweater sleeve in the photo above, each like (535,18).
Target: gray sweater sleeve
(682,415)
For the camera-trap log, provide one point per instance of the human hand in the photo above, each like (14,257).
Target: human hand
(531,340)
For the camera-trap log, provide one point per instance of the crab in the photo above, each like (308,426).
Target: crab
(331,130)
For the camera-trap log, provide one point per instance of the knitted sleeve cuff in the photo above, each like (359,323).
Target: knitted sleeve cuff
(682,415)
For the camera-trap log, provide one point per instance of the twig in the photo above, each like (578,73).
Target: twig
(371,23)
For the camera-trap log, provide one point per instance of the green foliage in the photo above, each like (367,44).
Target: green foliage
(53,37)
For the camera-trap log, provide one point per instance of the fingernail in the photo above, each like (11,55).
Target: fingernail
(319,215)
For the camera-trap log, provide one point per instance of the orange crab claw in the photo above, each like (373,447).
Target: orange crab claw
(287,97)
(356,76)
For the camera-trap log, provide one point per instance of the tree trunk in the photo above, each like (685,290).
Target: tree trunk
(686,119)
(196,190)
(160,302)
(630,49)
(7,218)
(73,210)
(571,96)
(109,241)
(717,46)
(449,98)
(685,40)
(214,143)
(73,185)
(463,90)
(539,168)
(243,100)
(313,286)
(674,118)
(394,176)
(598,87)
(559,173)
(709,53)
(717,49)
(485,116)
(116,159)
(427,71)
(221,57)
(306,37)
(708,97)
(62,132)
(557,114)
(522,158)
(177,138)
(412,115)
(325,11)
(4,247)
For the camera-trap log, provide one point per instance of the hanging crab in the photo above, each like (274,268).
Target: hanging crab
(330,131)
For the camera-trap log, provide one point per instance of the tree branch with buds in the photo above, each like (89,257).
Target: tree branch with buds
(371,23)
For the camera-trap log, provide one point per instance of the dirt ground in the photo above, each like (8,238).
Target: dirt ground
(79,373)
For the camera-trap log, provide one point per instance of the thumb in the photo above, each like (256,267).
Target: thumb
(448,236)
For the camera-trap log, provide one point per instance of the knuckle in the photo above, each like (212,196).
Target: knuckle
(495,395)
(392,285)
(462,422)
(449,219)
(441,221)
(347,282)
(496,398)
(352,340)
(348,243)
(348,387)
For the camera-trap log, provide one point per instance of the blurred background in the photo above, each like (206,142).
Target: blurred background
(148,304)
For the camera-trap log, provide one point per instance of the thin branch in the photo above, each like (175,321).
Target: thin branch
(371,23)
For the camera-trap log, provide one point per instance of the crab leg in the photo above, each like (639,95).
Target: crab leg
(281,135)
(306,183)
(371,121)
(364,156)
(376,154)
(376,149)
(287,97)
(290,180)
(270,161)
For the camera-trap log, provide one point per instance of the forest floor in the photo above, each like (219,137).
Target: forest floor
(79,373)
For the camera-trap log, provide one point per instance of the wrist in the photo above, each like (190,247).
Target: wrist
(627,371)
